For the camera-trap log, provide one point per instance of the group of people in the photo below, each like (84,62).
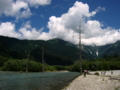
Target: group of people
(102,72)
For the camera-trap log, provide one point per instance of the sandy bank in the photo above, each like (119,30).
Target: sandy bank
(93,82)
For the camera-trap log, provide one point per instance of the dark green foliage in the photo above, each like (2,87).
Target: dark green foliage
(4,50)
(57,51)
(58,67)
(16,55)
(96,73)
(20,65)
(50,57)
(97,64)
(94,65)
(34,66)
(12,65)
(75,67)
(3,60)
(49,68)
(8,46)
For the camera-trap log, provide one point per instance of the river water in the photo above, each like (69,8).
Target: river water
(36,81)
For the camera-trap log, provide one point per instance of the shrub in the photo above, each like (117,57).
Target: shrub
(96,73)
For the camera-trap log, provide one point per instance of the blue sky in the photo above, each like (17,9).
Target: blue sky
(48,19)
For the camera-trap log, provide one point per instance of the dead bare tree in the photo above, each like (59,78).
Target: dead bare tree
(27,61)
(43,59)
(80,56)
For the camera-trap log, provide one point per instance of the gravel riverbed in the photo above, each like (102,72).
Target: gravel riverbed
(93,82)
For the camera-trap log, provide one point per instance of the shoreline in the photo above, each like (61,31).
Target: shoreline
(32,72)
(93,82)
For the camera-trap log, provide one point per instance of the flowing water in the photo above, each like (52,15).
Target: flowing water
(36,81)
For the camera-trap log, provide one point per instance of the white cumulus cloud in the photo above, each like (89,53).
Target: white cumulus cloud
(28,32)
(66,27)
(8,29)
(38,2)
(25,32)
(20,8)
(5,5)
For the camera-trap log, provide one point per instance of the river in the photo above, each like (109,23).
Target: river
(35,81)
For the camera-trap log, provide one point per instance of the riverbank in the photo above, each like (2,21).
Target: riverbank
(32,72)
(93,82)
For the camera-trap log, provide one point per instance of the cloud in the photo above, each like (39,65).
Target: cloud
(5,5)
(42,16)
(28,32)
(66,27)
(100,8)
(20,8)
(35,3)
(8,29)
(25,32)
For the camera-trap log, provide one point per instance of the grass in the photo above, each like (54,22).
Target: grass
(117,88)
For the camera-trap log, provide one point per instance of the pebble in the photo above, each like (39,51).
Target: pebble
(93,82)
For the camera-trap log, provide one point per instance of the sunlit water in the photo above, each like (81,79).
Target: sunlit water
(35,81)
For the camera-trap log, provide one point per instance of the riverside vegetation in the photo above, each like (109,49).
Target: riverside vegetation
(106,63)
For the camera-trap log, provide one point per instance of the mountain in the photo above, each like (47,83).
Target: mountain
(100,51)
(110,49)
(56,51)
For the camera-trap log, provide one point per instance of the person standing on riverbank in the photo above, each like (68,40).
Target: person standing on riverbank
(84,73)
(111,72)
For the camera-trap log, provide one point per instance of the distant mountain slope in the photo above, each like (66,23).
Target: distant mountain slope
(100,51)
(56,51)
(110,49)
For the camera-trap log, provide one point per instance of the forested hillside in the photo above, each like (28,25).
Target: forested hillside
(56,51)
(15,53)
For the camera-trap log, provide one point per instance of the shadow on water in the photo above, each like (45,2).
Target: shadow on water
(36,81)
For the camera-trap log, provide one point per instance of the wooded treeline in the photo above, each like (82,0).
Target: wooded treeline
(106,63)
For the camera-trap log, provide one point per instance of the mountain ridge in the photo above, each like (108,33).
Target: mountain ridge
(54,49)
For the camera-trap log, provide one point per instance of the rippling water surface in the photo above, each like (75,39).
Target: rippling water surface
(35,81)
